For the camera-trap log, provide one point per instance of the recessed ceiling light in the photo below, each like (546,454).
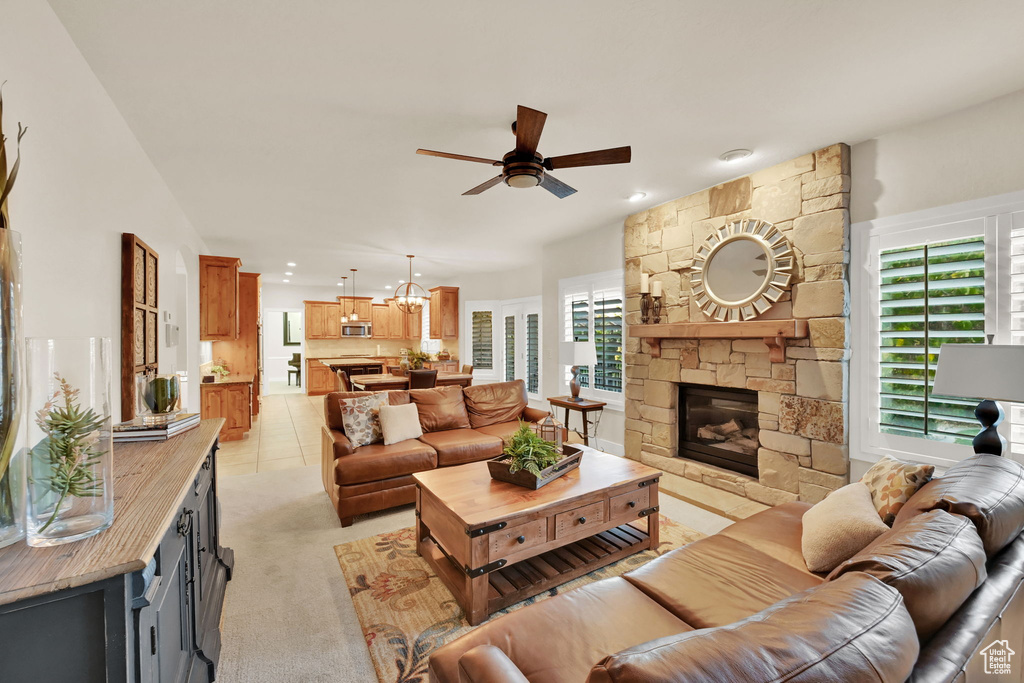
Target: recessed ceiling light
(401,282)
(735,154)
(340,284)
(387,286)
(289,273)
(419,274)
(290,264)
(637,196)
(285,280)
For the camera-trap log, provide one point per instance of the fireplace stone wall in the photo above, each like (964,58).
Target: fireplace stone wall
(802,401)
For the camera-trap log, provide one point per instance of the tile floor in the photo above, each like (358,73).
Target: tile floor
(285,435)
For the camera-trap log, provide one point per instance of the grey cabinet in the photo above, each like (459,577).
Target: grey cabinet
(158,625)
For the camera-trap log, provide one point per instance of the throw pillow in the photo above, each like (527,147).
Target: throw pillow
(400,423)
(361,418)
(839,527)
(440,408)
(892,482)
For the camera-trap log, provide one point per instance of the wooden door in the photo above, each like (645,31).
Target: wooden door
(381,318)
(239,414)
(314,323)
(435,314)
(414,325)
(450,313)
(139,317)
(332,321)
(218,298)
(396,321)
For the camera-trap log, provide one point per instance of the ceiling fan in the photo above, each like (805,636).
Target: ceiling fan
(523,167)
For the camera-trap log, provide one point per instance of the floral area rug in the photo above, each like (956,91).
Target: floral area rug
(406,612)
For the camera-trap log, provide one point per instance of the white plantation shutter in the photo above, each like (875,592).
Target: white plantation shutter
(533,352)
(931,294)
(608,339)
(483,340)
(510,348)
(593,310)
(1017,321)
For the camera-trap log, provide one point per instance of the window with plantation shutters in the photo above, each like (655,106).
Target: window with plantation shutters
(931,294)
(483,342)
(593,310)
(1016,410)
(510,348)
(533,353)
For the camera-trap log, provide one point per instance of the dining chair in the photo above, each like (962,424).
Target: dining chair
(295,367)
(343,383)
(467,369)
(422,379)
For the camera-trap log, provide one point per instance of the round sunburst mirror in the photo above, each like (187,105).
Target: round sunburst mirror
(740,270)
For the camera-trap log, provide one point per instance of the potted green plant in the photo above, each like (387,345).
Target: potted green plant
(416,359)
(530,461)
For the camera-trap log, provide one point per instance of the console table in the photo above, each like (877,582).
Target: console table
(585,407)
(140,601)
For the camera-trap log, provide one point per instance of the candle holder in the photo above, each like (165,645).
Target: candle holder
(657,310)
(645,308)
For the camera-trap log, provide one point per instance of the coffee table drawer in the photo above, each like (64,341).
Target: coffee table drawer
(625,506)
(507,541)
(579,521)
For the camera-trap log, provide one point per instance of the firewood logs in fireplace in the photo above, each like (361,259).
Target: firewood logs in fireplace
(731,436)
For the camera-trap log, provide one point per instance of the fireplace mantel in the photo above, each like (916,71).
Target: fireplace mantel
(773,332)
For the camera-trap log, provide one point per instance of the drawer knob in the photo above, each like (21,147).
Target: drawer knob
(583,520)
(631,503)
(521,540)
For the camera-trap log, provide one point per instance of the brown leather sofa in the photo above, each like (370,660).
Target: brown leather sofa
(919,603)
(460,425)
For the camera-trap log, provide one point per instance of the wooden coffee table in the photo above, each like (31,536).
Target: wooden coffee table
(493,543)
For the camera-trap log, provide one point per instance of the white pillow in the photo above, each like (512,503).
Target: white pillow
(839,527)
(400,423)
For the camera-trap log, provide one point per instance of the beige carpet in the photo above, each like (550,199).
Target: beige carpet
(406,612)
(288,615)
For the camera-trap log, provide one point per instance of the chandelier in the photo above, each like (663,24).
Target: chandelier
(409,297)
(344,317)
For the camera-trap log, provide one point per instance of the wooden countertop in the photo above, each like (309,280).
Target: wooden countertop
(150,483)
(231,379)
(349,361)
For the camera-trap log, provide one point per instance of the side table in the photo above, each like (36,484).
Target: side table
(584,407)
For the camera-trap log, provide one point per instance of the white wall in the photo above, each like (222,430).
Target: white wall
(84,180)
(970,154)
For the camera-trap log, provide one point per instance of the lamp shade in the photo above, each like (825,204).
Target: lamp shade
(983,371)
(577,353)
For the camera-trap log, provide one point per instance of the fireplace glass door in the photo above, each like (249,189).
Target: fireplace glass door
(719,427)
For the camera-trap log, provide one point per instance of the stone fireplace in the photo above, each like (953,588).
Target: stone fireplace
(801,389)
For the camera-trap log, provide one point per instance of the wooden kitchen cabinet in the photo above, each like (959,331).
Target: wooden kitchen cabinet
(414,325)
(442,365)
(444,313)
(218,298)
(381,320)
(320,379)
(233,402)
(361,305)
(323,320)
(242,355)
(403,325)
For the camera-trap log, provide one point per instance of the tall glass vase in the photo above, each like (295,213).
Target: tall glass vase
(12,481)
(69,434)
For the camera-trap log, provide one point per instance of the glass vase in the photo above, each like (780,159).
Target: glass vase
(12,398)
(68,432)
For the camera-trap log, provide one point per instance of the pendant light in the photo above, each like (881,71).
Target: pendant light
(409,297)
(344,317)
(354,316)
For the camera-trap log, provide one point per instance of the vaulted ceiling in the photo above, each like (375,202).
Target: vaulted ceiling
(287,130)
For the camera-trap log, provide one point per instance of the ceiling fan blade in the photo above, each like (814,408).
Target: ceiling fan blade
(529,126)
(459,157)
(484,186)
(556,186)
(617,155)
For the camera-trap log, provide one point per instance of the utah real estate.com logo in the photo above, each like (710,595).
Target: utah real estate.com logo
(997,656)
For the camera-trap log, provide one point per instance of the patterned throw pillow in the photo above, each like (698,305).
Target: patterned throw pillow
(892,482)
(361,417)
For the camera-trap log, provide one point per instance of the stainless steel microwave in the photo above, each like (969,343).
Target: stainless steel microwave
(356,330)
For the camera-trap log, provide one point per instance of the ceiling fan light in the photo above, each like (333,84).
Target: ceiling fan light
(522,181)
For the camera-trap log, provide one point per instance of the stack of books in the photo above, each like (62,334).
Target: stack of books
(136,430)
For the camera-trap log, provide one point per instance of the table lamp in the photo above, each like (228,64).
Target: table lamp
(576,354)
(986,371)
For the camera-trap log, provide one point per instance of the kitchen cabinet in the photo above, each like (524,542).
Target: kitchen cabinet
(442,365)
(361,305)
(381,320)
(320,379)
(242,355)
(218,297)
(323,320)
(138,603)
(403,325)
(231,400)
(444,313)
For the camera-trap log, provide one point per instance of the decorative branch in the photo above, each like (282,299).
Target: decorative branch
(7,181)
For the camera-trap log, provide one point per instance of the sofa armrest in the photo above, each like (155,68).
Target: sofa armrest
(488,664)
(334,444)
(534,414)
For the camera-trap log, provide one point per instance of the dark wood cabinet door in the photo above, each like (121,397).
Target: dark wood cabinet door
(173,608)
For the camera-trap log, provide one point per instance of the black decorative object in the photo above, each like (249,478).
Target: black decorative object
(645,308)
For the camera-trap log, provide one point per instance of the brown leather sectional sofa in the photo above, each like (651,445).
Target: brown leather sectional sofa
(919,603)
(460,425)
